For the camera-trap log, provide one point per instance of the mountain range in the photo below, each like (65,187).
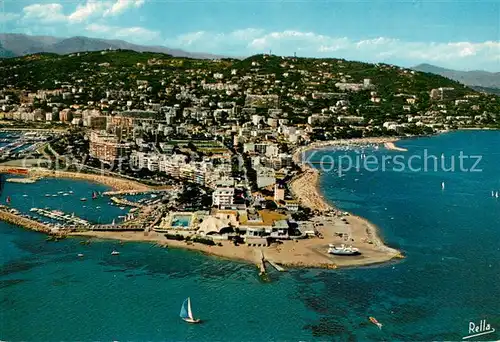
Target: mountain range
(481,80)
(15,45)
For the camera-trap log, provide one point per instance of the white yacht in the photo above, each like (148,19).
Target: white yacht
(343,250)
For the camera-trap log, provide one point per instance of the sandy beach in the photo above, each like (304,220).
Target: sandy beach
(305,188)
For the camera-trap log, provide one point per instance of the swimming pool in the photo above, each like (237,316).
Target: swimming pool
(183,221)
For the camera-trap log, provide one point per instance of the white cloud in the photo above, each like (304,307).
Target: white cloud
(122,5)
(189,39)
(133,34)
(234,42)
(381,49)
(92,8)
(44,13)
(6,16)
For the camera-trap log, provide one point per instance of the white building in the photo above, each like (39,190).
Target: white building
(223,197)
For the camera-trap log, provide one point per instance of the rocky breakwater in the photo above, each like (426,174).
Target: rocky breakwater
(14,218)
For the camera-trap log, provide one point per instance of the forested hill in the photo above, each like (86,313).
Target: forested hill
(47,71)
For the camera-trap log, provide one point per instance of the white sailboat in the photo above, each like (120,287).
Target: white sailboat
(442,185)
(496,194)
(186,313)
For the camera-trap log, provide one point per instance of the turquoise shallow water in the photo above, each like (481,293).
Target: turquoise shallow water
(449,277)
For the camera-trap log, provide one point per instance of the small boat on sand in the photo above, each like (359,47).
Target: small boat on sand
(115,253)
(186,312)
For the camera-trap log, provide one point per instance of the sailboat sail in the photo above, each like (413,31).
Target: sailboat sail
(190,313)
(184,309)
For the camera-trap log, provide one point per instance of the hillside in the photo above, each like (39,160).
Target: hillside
(16,45)
(327,93)
(42,71)
(477,78)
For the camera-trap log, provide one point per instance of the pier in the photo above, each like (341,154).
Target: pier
(276,266)
(132,192)
(23,180)
(128,203)
(262,265)
(105,228)
(60,216)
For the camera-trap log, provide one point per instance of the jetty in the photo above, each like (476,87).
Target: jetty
(128,203)
(134,192)
(104,228)
(115,227)
(262,264)
(60,216)
(276,266)
(14,218)
(23,180)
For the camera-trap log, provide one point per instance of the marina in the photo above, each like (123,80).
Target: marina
(60,216)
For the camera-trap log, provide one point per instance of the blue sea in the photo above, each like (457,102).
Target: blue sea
(450,276)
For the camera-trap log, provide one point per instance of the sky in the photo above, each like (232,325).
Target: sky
(458,34)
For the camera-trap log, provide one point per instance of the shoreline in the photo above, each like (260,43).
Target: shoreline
(117,184)
(306,187)
(306,253)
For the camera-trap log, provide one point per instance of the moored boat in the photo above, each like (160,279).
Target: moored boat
(115,253)
(343,250)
